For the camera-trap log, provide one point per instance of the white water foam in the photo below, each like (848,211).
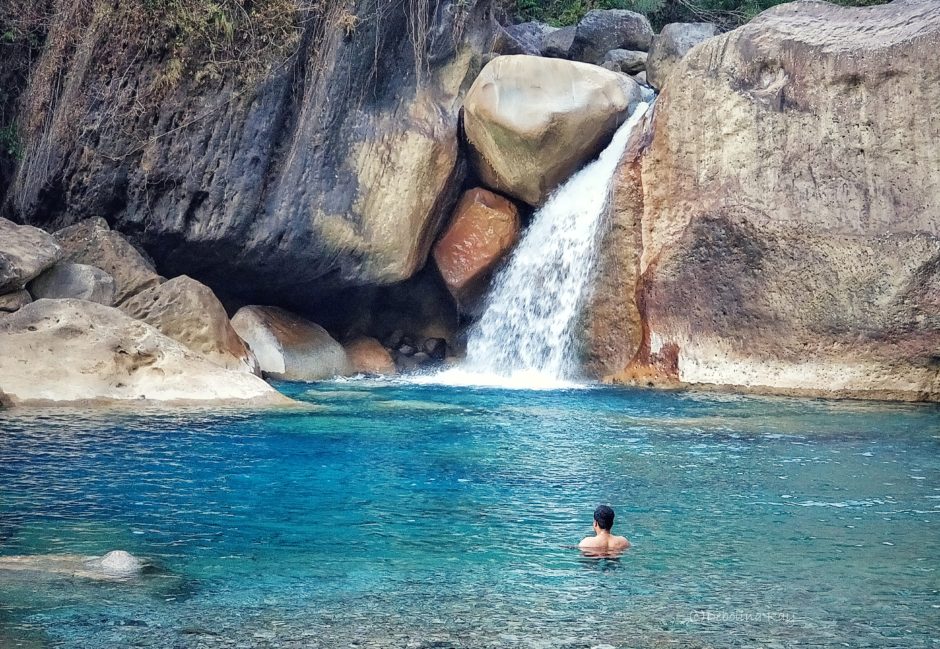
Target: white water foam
(525,337)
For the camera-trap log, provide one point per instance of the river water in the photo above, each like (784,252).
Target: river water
(400,515)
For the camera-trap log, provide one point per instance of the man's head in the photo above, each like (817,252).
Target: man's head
(604,517)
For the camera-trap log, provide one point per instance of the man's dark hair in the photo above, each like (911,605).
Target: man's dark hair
(604,516)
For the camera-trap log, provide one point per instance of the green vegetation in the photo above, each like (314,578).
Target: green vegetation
(727,14)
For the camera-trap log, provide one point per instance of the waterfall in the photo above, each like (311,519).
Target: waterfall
(525,337)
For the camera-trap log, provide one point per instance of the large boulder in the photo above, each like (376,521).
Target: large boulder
(93,243)
(558,44)
(532,121)
(603,30)
(317,151)
(78,281)
(796,249)
(57,352)
(368,356)
(190,313)
(25,252)
(289,347)
(670,45)
(484,228)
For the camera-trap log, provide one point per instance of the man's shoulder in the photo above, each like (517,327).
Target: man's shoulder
(588,542)
(622,542)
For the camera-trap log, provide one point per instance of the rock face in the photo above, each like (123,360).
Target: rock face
(323,156)
(484,228)
(289,347)
(798,249)
(191,314)
(78,281)
(93,243)
(671,44)
(533,121)
(25,252)
(601,31)
(368,356)
(55,352)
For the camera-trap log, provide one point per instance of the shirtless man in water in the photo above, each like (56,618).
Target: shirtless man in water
(603,541)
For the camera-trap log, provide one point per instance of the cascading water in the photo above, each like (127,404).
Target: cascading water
(525,337)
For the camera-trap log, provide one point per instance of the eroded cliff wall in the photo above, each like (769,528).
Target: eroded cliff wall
(279,155)
(788,209)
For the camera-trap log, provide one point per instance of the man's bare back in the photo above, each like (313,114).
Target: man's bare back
(603,540)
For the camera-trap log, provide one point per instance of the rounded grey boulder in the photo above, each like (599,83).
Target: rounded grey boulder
(601,31)
(77,281)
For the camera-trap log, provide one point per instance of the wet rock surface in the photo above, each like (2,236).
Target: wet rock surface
(483,230)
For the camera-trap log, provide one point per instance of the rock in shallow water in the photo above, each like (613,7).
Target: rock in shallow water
(368,356)
(65,351)
(289,347)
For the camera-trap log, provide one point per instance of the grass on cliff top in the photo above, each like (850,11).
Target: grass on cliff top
(727,14)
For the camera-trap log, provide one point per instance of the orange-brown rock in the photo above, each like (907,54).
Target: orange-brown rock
(368,356)
(484,228)
(790,224)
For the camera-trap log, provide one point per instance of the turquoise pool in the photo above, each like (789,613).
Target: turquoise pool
(395,515)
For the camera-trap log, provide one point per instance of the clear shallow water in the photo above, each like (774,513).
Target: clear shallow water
(396,515)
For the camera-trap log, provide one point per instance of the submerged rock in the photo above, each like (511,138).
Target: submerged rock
(25,252)
(289,347)
(79,281)
(368,356)
(189,312)
(65,351)
(799,252)
(115,565)
(484,228)
(671,44)
(93,243)
(532,121)
(603,30)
